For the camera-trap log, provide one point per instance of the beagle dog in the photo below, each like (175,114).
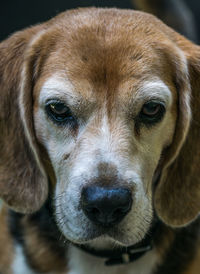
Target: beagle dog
(100,146)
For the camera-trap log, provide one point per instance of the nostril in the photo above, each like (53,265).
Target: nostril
(120,211)
(93,210)
(126,207)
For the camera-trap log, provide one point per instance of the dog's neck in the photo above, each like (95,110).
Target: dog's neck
(135,259)
(81,262)
(58,257)
(119,255)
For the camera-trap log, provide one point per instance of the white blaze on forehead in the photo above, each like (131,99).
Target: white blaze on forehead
(155,89)
(105,140)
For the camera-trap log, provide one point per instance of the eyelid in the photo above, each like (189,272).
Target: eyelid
(156,100)
(156,89)
(55,100)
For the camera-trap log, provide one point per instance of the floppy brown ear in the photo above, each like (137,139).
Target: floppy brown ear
(177,196)
(23,183)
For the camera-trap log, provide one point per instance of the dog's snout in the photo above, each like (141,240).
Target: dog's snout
(105,206)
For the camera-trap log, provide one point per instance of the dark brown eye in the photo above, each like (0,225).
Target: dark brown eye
(58,108)
(59,112)
(152,112)
(151,109)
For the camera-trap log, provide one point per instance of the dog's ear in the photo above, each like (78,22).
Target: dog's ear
(23,183)
(177,195)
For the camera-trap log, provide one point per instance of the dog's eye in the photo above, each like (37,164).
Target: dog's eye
(59,112)
(152,112)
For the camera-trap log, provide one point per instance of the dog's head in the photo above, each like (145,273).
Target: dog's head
(98,103)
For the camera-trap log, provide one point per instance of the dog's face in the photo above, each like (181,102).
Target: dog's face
(110,105)
(104,115)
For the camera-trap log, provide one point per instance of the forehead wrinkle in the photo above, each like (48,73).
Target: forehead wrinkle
(139,92)
(57,87)
(51,93)
(156,89)
(62,89)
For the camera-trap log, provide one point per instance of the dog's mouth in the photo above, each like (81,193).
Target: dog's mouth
(114,252)
(110,237)
(95,234)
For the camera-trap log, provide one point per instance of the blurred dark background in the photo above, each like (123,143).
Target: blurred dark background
(18,14)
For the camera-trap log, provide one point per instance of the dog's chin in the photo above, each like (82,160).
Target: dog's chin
(107,238)
(107,242)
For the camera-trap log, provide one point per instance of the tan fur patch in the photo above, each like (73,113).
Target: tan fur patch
(43,256)
(195,265)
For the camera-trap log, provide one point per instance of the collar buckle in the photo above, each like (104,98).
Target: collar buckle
(131,255)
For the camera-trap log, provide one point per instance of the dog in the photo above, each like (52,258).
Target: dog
(100,142)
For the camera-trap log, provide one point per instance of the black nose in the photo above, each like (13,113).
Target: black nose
(105,206)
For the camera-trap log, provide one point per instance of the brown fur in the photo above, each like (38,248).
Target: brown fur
(194,267)
(6,243)
(20,178)
(42,254)
(182,179)
(36,54)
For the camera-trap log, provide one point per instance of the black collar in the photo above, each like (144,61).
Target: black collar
(127,254)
